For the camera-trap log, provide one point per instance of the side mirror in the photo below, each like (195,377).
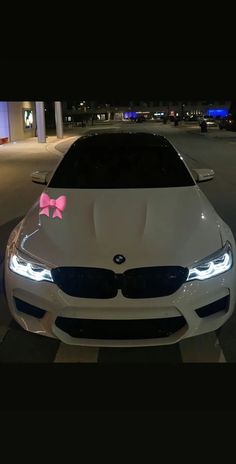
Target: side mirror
(202,175)
(40,177)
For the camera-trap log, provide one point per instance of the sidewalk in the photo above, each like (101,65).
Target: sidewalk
(31,146)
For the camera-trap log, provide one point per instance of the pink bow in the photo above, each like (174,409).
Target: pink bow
(46,202)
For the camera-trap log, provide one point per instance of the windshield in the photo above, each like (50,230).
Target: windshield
(121,161)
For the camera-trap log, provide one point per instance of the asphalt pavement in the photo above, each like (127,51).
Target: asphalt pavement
(215,149)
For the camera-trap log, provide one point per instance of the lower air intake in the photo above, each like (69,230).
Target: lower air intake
(120,329)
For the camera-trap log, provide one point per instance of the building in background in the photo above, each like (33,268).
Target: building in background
(75,112)
(4,123)
(17,121)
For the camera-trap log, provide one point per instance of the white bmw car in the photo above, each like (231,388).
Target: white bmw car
(122,248)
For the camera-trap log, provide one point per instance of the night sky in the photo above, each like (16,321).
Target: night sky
(120,81)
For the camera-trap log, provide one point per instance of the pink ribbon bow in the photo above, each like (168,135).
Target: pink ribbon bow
(46,202)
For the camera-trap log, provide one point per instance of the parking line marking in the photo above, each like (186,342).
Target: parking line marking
(202,349)
(76,354)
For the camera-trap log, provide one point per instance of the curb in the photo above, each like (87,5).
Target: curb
(61,153)
(51,147)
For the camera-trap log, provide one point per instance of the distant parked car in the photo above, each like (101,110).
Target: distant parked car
(209,121)
(191,118)
(227,123)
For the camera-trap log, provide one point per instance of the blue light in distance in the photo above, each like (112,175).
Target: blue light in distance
(220,112)
(130,115)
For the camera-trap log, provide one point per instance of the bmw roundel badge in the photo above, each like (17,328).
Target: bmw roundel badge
(119,259)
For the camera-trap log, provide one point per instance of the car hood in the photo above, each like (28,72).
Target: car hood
(150,227)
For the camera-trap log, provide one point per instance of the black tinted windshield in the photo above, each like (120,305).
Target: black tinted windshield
(121,161)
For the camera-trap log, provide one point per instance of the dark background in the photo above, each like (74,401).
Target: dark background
(117,81)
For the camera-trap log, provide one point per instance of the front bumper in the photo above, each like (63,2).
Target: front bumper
(190,297)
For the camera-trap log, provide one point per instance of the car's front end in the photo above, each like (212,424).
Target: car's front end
(197,307)
(155,297)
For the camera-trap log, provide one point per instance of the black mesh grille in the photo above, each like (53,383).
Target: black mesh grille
(118,330)
(149,282)
(85,282)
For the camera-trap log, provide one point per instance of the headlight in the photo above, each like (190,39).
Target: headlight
(27,268)
(213,265)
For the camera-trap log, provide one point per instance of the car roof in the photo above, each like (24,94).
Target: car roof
(109,136)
